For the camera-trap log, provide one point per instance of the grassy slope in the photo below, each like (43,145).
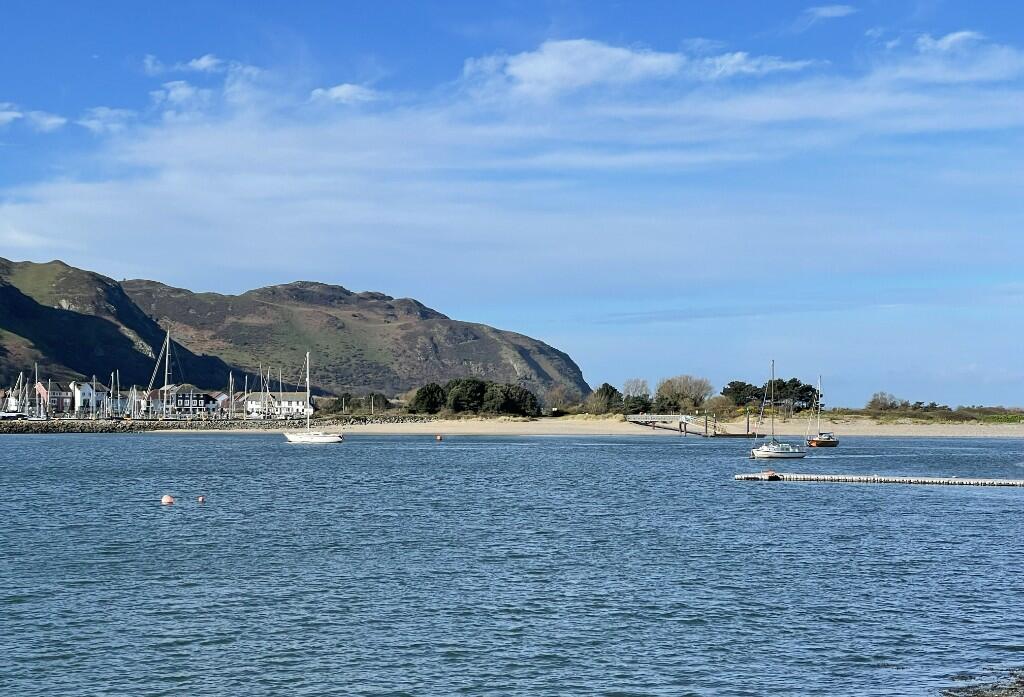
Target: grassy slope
(360,341)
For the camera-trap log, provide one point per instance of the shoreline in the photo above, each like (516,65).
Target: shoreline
(582,425)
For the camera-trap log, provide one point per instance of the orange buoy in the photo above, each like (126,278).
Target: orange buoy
(167,500)
(201,499)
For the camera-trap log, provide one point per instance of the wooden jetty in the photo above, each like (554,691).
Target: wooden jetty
(770,476)
(704,426)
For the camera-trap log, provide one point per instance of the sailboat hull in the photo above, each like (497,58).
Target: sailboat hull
(759,454)
(822,443)
(314,438)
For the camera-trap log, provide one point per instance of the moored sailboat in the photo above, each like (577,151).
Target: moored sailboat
(775,449)
(824,439)
(309,436)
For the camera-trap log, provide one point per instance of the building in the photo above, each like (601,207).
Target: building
(189,400)
(57,396)
(276,405)
(87,401)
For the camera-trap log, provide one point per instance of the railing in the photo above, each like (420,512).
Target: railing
(665,418)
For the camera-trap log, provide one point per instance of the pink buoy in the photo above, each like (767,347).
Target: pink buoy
(167,500)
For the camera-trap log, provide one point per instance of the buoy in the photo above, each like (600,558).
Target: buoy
(167,500)
(201,499)
(438,438)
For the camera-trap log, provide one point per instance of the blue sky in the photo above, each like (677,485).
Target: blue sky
(655,188)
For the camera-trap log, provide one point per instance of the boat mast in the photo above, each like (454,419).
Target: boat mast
(819,404)
(308,405)
(167,372)
(35,388)
(773,399)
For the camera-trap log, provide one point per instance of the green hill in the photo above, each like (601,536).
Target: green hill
(76,323)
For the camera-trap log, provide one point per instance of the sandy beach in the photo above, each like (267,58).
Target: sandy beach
(616,426)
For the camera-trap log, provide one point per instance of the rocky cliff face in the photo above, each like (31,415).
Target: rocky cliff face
(77,323)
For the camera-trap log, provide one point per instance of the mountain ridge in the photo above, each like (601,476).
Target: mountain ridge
(361,341)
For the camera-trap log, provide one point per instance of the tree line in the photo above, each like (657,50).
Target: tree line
(687,393)
(474,396)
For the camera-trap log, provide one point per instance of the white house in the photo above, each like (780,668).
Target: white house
(276,405)
(85,400)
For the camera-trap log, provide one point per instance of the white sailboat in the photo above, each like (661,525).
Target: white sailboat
(309,436)
(775,449)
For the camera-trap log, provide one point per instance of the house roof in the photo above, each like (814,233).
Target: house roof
(274,396)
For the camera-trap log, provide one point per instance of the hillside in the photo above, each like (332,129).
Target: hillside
(360,341)
(77,323)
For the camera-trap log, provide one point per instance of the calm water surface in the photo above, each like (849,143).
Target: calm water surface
(497,566)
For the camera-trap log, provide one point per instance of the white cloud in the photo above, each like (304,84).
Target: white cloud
(741,63)
(9,113)
(345,93)
(104,119)
(560,67)
(151,65)
(180,96)
(958,57)
(45,122)
(483,177)
(819,13)
(830,11)
(207,63)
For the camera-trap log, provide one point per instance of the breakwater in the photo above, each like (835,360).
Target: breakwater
(142,426)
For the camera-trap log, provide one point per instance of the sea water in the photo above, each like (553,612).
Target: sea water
(500,566)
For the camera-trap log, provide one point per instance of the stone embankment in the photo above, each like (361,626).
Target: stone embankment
(142,426)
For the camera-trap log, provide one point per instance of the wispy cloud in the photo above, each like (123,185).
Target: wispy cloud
(573,125)
(45,122)
(345,93)
(207,63)
(957,57)
(819,13)
(103,119)
(9,113)
(567,66)
(39,121)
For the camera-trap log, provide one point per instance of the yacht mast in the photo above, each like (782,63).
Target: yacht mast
(308,405)
(819,404)
(773,399)
(167,372)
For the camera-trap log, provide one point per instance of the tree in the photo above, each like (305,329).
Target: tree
(637,405)
(719,404)
(429,399)
(682,392)
(636,387)
(465,394)
(880,401)
(743,392)
(509,399)
(559,397)
(605,399)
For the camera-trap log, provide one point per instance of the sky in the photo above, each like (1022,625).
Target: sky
(653,187)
